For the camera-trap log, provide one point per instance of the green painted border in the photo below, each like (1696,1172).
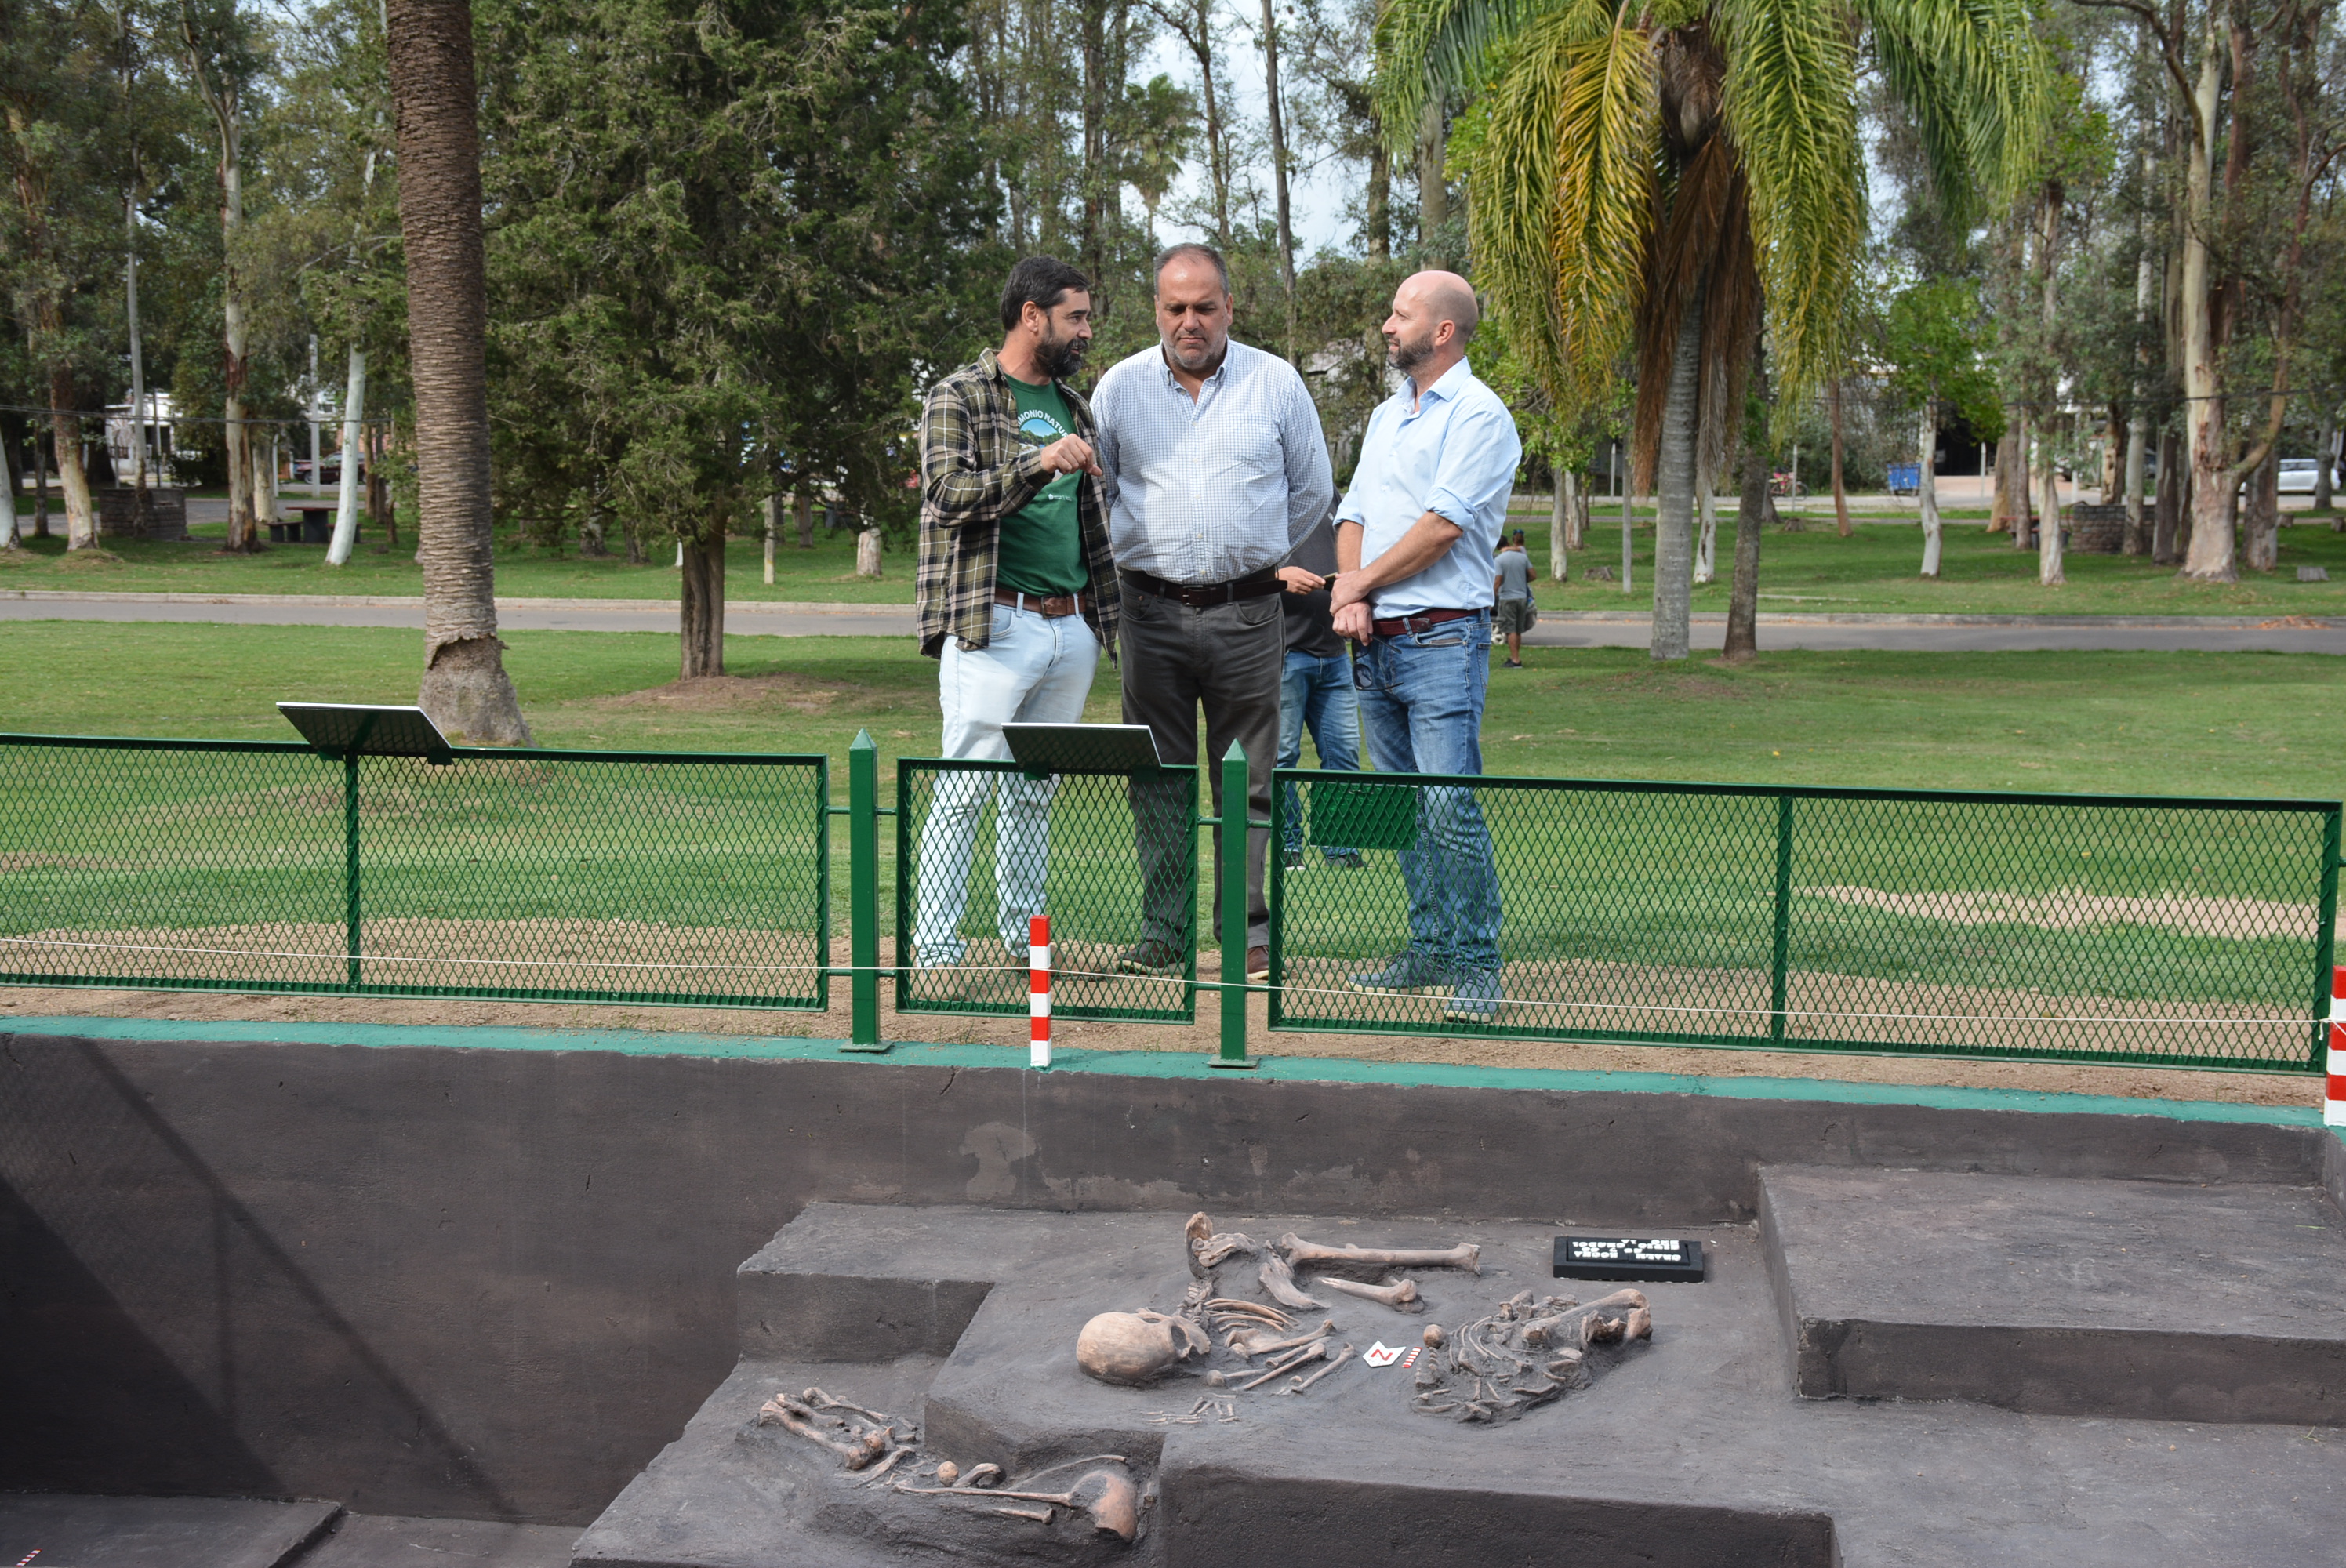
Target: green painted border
(1162,1064)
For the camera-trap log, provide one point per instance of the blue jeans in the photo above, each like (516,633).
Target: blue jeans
(1421,699)
(1317,692)
(1035,669)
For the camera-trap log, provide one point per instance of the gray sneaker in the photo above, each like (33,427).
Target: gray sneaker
(1345,859)
(1477,1001)
(1149,955)
(1409,973)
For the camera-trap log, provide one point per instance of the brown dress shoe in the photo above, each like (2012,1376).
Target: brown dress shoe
(1259,963)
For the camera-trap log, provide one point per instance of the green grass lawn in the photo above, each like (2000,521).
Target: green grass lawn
(1874,570)
(2150,723)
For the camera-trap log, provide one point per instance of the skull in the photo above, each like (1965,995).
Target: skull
(1132,1348)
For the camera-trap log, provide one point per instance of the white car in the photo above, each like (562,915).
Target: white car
(2298,474)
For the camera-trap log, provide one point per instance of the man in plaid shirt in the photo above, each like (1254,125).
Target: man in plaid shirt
(1016,593)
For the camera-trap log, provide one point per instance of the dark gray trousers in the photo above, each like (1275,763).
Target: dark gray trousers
(1226,660)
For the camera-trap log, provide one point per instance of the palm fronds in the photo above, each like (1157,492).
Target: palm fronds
(1432,49)
(1975,81)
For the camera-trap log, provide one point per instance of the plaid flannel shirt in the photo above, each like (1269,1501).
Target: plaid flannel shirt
(975,471)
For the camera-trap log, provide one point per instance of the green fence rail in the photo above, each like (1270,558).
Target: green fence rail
(2185,933)
(2154,929)
(573,876)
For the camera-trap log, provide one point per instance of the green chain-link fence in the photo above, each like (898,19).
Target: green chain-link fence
(2184,932)
(980,846)
(2188,933)
(538,875)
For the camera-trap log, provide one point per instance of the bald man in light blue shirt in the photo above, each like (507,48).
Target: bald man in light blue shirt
(1415,538)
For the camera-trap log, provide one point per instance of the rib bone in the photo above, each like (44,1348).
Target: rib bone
(1304,1254)
(1400,1295)
(1232,1306)
(1278,1281)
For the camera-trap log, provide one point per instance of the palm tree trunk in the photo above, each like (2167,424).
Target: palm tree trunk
(464,688)
(1674,488)
(1743,595)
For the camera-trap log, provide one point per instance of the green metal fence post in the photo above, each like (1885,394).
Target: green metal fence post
(863,894)
(1776,985)
(351,858)
(2325,939)
(1232,828)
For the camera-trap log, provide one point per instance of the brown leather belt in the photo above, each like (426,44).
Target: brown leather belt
(1053,605)
(1205,596)
(1404,624)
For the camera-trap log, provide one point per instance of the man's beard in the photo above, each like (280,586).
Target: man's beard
(1060,358)
(1405,356)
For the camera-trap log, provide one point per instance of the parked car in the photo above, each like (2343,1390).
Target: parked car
(2297,475)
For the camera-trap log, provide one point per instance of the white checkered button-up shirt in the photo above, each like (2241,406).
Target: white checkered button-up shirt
(1206,490)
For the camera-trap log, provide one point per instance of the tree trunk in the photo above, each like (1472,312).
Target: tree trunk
(1674,481)
(81,521)
(703,610)
(464,688)
(1560,543)
(2000,511)
(1751,508)
(2323,468)
(2048,548)
(142,504)
(772,505)
(806,521)
(1432,191)
(346,499)
(1926,489)
(2024,512)
(380,511)
(2167,514)
(1278,122)
(867,552)
(1840,492)
(2113,446)
(8,531)
(2261,542)
(2209,556)
(1706,541)
(1380,201)
(2136,538)
(264,479)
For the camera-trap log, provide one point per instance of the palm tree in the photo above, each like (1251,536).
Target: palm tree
(1670,181)
(464,688)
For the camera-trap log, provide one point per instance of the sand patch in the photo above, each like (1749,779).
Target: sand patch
(731,694)
(2229,919)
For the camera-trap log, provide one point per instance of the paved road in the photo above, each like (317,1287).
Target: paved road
(1948,634)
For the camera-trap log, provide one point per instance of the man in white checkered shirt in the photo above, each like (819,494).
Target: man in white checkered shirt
(1215,467)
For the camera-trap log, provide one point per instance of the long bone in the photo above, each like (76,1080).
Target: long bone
(1278,1283)
(1304,1254)
(794,1417)
(1245,1341)
(1311,1352)
(815,1399)
(1400,1295)
(1114,1505)
(1301,1384)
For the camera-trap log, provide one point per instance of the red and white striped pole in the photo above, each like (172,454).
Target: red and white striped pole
(1039,987)
(2333,1100)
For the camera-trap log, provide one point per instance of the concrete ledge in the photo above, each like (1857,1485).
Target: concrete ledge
(2097,1298)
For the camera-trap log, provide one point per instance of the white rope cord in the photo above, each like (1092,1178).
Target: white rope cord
(1511,1002)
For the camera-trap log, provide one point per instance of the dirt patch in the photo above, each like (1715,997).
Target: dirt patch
(1197,1039)
(731,694)
(2232,920)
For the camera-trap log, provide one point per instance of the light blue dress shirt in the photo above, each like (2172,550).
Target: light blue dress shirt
(1455,455)
(1204,490)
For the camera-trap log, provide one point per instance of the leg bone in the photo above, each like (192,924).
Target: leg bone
(1400,1295)
(1304,1254)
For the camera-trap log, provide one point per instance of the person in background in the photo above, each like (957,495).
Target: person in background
(1315,687)
(1415,541)
(1513,582)
(1016,594)
(1215,467)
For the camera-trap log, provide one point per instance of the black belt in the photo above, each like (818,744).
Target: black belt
(1204,595)
(1403,625)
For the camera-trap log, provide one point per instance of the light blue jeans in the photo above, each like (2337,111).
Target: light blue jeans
(1317,692)
(1037,669)
(1421,699)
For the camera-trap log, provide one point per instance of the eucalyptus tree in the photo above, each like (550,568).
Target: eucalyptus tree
(1668,183)
(1931,341)
(221,48)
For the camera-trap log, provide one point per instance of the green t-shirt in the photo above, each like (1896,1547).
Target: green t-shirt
(1041,544)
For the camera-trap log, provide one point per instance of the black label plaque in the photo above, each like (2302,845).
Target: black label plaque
(1627,1258)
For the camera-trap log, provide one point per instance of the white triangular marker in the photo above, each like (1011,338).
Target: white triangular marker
(1381,1355)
